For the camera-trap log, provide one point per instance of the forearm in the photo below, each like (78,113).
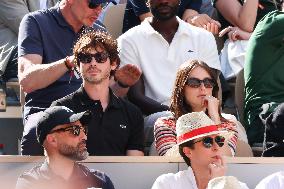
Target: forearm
(134,153)
(37,76)
(247,15)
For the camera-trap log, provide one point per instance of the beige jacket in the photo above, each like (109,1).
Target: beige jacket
(11,14)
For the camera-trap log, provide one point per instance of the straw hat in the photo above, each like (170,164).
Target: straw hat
(195,125)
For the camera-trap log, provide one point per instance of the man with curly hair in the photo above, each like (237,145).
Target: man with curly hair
(116,127)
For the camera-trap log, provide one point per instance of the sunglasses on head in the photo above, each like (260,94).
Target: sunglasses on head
(75,130)
(208,141)
(86,58)
(195,83)
(94,5)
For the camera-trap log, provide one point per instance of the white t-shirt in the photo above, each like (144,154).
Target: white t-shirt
(159,60)
(273,181)
(181,180)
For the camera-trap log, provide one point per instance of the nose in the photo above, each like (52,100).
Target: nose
(202,86)
(215,146)
(83,135)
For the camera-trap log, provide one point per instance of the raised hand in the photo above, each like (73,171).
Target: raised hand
(128,74)
(217,168)
(212,105)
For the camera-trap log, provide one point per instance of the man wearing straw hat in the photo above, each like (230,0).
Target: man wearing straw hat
(200,142)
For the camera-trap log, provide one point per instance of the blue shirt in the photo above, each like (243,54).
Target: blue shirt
(47,34)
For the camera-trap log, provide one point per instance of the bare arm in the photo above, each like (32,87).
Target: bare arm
(242,16)
(134,153)
(34,75)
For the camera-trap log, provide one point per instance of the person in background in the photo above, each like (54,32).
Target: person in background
(264,95)
(137,10)
(116,127)
(196,90)
(273,181)
(63,135)
(200,141)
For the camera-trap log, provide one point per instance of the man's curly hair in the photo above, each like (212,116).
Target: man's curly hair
(91,39)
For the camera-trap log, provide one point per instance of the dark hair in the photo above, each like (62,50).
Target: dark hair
(278,4)
(97,39)
(178,105)
(189,144)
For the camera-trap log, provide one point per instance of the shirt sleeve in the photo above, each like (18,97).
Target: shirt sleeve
(139,7)
(29,40)
(164,134)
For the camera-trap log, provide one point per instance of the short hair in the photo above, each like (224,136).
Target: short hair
(97,39)
(178,104)
(279,4)
(189,144)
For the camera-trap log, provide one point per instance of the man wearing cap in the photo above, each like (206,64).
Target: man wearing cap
(116,127)
(200,143)
(63,135)
(46,65)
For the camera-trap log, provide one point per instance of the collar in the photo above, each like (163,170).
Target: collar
(114,101)
(56,12)
(183,28)
(46,172)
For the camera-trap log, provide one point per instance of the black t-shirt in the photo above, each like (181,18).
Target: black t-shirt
(111,132)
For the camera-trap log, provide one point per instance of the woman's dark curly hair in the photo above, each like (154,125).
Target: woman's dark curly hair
(97,39)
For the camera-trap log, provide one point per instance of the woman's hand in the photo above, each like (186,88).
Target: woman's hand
(212,105)
(235,33)
(204,21)
(217,168)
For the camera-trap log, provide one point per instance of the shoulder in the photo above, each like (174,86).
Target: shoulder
(136,32)
(168,121)
(66,100)
(29,177)
(274,179)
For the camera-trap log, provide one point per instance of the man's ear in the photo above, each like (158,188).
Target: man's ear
(51,139)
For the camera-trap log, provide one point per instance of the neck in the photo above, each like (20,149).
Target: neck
(202,176)
(198,109)
(166,28)
(68,15)
(98,92)
(61,166)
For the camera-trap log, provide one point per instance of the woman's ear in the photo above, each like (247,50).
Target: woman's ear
(187,151)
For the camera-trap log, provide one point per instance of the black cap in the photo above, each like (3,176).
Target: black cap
(57,115)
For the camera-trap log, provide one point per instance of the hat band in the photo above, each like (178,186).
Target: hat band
(196,132)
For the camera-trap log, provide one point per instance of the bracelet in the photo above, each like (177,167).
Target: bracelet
(122,85)
(67,63)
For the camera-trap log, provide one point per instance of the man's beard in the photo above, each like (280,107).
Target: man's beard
(162,16)
(75,153)
(95,80)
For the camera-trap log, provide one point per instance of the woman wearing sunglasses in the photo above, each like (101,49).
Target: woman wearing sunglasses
(200,141)
(196,90)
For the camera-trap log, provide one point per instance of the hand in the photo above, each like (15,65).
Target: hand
(212,105)
(235,33)
(128,74)
(217,168)
(204,21)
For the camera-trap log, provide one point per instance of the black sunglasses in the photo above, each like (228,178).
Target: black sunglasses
(195,83)
(76,129)
(94,5)
(86,58)
(208,141)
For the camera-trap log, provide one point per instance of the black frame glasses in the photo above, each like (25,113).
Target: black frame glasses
(93,5)
(196,83)
(76,130)
(208,141)
(86,58)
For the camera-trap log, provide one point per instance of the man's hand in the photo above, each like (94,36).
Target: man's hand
(204,21)
(217,168)
(128,75)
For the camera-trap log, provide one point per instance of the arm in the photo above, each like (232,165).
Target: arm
(235,33)
(148,106)
(134,153)
(34,75)
(12,12)
(242,16)
(164,134)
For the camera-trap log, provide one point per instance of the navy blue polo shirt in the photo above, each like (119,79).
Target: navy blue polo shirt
(134,8)
(120,127)
(47,34)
